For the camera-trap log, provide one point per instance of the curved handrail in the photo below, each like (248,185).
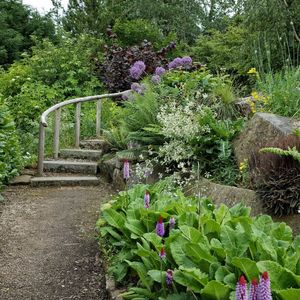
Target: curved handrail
(74,101)
(57,108)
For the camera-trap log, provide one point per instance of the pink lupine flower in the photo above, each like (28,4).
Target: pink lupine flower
(264,288)
(172,223)
(254,290)
(126,174)
(147,200)
(162,253)
(160,227)
(169,277)
(241,289)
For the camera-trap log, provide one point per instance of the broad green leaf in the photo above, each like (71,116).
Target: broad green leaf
(230,280)
(217,246)
(288,294)
(113,218)
(135,226)
(247,267)
(143,292)
(281,278)
(215,290)
(221,272)
(211,226)
(282,232)
(181,296)
(157,275)
(199,252)
(108,230)
(222,214)
(193,235)
(154,239)
(178,253)
(142,273)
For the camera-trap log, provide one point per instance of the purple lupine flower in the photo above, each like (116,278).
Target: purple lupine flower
(160,227)
(169,277)
(162,253)
(155,79)
(264,288)
(126,174)
(147,200)
(160,71)
(137,69)
(241,289)
(172,223)
(187,60)
(253,290)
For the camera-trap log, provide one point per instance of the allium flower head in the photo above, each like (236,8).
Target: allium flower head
(172,223)
(126,174)
(175,63)
(138,88)
(253,290)
(241,289)
(147,200)
(160,227)
(187,60)
(264,288)
(155,79)
(162,253)
(160,71)
(169,277)
(137,69)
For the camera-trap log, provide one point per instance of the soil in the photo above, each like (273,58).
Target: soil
(48,247)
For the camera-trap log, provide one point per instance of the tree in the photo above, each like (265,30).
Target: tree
(18,23)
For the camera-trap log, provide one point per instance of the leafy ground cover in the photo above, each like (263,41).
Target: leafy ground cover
(170,246)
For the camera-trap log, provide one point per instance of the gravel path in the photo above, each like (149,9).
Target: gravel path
(47,243)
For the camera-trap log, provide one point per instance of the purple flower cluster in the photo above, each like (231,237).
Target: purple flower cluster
(147,200)
(169,277)
(126,174)
(138,88)
(160,227)
(180,62)
(159,71)
(261,291)
(137,69)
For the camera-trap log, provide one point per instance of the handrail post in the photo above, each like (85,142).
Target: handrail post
(41,150)
(77,125)
(98,118)
(56,133)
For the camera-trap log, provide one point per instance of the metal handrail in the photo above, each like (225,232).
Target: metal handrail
(57,108)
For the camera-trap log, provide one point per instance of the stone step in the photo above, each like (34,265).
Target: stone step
(67,166)
(95,144)
(64,181)
(81,154)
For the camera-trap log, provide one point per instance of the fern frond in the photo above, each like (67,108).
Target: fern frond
(293,152)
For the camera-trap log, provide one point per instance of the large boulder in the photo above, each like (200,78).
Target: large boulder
(261,131)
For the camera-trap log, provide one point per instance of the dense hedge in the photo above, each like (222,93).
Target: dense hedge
(10,155)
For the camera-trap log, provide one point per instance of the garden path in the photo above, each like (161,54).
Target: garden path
(47,243)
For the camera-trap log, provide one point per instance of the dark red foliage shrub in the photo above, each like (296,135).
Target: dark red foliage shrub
(276,178)
(114,71)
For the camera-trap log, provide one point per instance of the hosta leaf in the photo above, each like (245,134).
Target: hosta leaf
(246,266)
(215,290)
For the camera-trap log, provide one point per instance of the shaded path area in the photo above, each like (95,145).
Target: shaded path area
(47,243)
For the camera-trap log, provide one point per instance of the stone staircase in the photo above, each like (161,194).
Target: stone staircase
(79,166)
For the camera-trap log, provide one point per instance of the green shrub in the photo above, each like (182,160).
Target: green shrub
(208,249)
(10,154)
(283,91)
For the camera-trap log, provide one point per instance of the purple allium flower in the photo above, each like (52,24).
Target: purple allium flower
(253,290)
(162,253)
(147,200)
(169,277)
(160,227)
(126,169)
(264,288)
(241,289)
(172,223)
(155,79)
(175,63)
(160,71)
(137,69)
(138,88)
(187,60)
